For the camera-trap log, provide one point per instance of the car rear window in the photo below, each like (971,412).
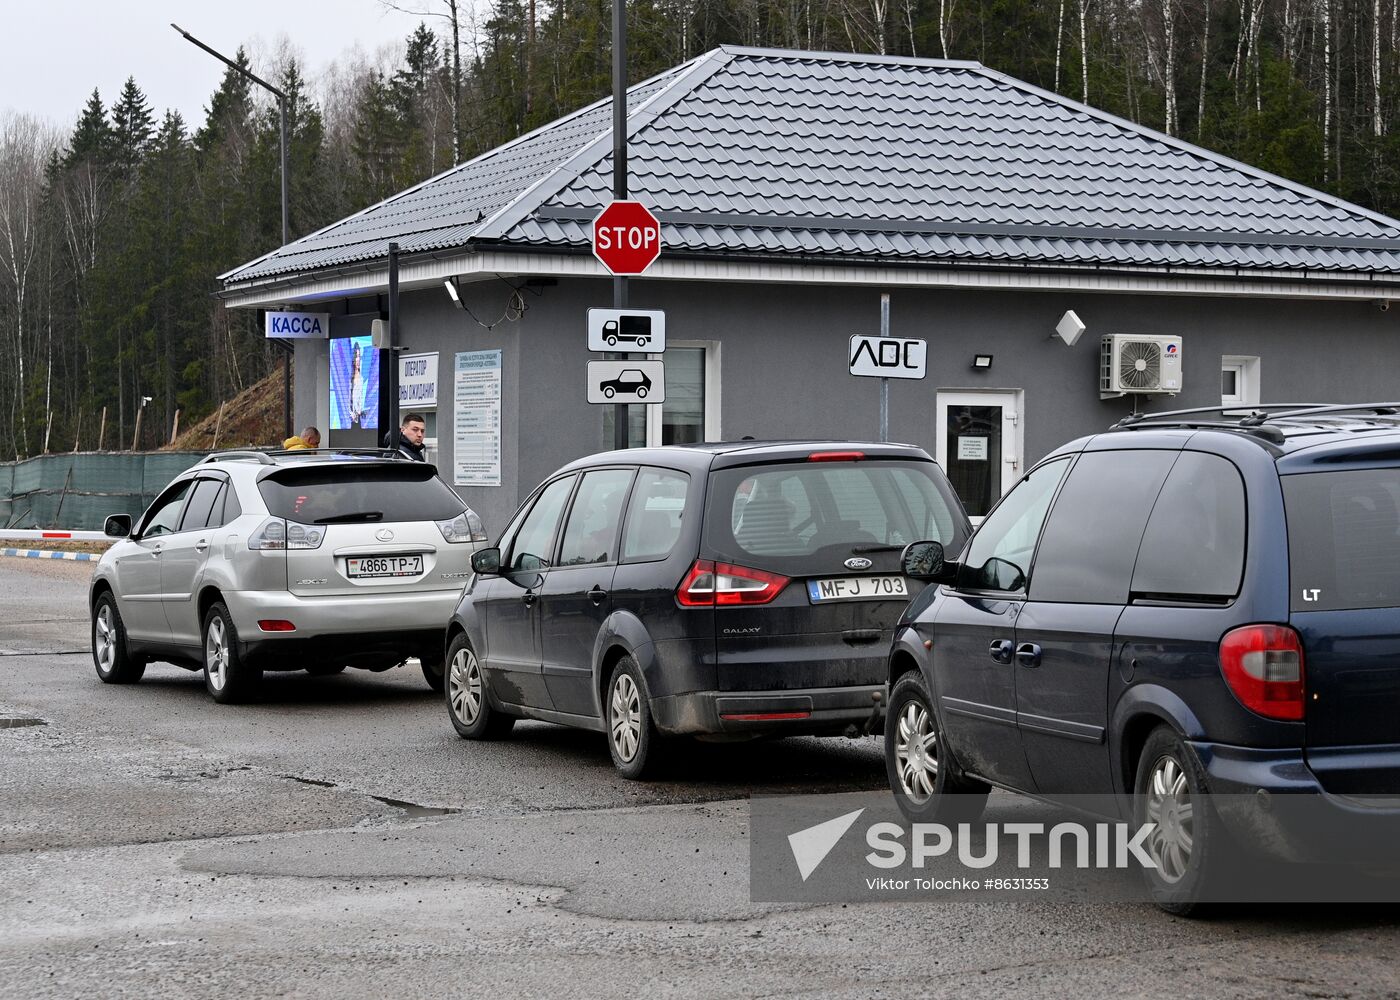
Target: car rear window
(353,492)
(795,510)
(1344,539)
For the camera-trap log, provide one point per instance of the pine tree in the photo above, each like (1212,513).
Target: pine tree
(132,125)
(92,138)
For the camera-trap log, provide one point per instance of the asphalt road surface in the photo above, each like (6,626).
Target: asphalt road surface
(337,839)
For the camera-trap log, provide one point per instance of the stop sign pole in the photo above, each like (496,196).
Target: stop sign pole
(619,130)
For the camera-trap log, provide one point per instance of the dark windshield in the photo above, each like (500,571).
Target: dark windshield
(325,494)
(1344,539)
(780,516)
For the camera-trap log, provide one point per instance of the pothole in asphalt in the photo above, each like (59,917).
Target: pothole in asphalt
(414,809)
(16,722)
(409,808)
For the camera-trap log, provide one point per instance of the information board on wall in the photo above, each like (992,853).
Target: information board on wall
(476,418)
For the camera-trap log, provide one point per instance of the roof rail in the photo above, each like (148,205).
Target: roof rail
(393,453)
(239,456)
(1260,421)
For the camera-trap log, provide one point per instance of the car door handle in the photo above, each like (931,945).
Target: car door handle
(529,597)
(597,595)
(1001,650)
(860,636)
(201,545)
(1028,654)
(155,551)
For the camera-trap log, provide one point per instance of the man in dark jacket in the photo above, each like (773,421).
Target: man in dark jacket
(410,438)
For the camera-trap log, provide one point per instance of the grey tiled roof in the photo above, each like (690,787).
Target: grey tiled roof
(768,153)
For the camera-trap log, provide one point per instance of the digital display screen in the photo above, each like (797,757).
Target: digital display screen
(354,384)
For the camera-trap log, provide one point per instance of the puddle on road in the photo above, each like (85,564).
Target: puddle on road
(16,722)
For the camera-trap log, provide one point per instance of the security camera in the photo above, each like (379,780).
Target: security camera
(1383,305)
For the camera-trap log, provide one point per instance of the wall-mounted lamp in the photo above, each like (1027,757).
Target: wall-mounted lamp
(451,285)
(982,361)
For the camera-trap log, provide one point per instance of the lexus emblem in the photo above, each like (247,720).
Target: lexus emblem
(859,562)
(385,535)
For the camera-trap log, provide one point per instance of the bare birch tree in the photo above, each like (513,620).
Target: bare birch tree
(25,146)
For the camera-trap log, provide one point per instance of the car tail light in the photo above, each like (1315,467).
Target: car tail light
(709,583)
(1263,664)
(465,527)
(276,625)
(836,456)
(277,534)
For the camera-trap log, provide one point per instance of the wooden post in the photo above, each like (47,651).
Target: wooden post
(102,429)
(136,434)
(77,434)
(175,431)
(218,422)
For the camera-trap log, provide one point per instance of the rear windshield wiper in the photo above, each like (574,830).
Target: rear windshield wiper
(359,515)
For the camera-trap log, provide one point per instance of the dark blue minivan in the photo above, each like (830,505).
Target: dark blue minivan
(1192,604)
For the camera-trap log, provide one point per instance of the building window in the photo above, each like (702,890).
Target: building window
(691,411)
(1239,381)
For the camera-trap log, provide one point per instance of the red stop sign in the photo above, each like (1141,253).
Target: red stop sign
(626,237)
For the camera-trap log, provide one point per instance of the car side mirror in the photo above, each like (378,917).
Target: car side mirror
(487,562)
(117,526)
(923,561)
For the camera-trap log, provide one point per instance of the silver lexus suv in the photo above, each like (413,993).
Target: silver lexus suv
(303,560)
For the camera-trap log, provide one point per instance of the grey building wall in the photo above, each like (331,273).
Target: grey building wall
(784,367)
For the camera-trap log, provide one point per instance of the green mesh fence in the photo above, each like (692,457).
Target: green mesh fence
(80,491)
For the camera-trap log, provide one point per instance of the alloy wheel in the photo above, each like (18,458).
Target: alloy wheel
(916,750)
(216,653)
(106,638)
(1169,806)
(625,717)
(464,687)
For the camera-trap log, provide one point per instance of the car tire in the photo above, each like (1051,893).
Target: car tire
(326,669)
(928,786)
(1189,845)
(227,677)
(609,392)
(434,670)
(638,750)
(114,663)
(468,702)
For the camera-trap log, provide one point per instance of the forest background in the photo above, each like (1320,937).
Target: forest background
(113,229)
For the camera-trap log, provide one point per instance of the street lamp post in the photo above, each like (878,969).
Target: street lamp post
(282,130)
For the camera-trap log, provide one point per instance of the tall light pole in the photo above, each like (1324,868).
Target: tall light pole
(282,129)
(621,430)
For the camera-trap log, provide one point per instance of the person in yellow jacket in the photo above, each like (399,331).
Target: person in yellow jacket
(310,437)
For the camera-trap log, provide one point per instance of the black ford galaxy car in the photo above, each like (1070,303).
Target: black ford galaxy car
(719,590)
(1191,605)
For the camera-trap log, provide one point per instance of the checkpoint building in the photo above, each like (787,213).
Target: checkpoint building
(793,190)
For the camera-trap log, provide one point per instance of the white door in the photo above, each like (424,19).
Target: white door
(979,444)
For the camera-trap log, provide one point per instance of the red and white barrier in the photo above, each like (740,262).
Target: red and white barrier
(53,535)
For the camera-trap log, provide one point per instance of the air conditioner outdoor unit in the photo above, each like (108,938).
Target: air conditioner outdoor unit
(1129,363)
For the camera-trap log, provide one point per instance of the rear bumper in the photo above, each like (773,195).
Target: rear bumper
(1273,803)
(821,711)
(340,614)
(343,625)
